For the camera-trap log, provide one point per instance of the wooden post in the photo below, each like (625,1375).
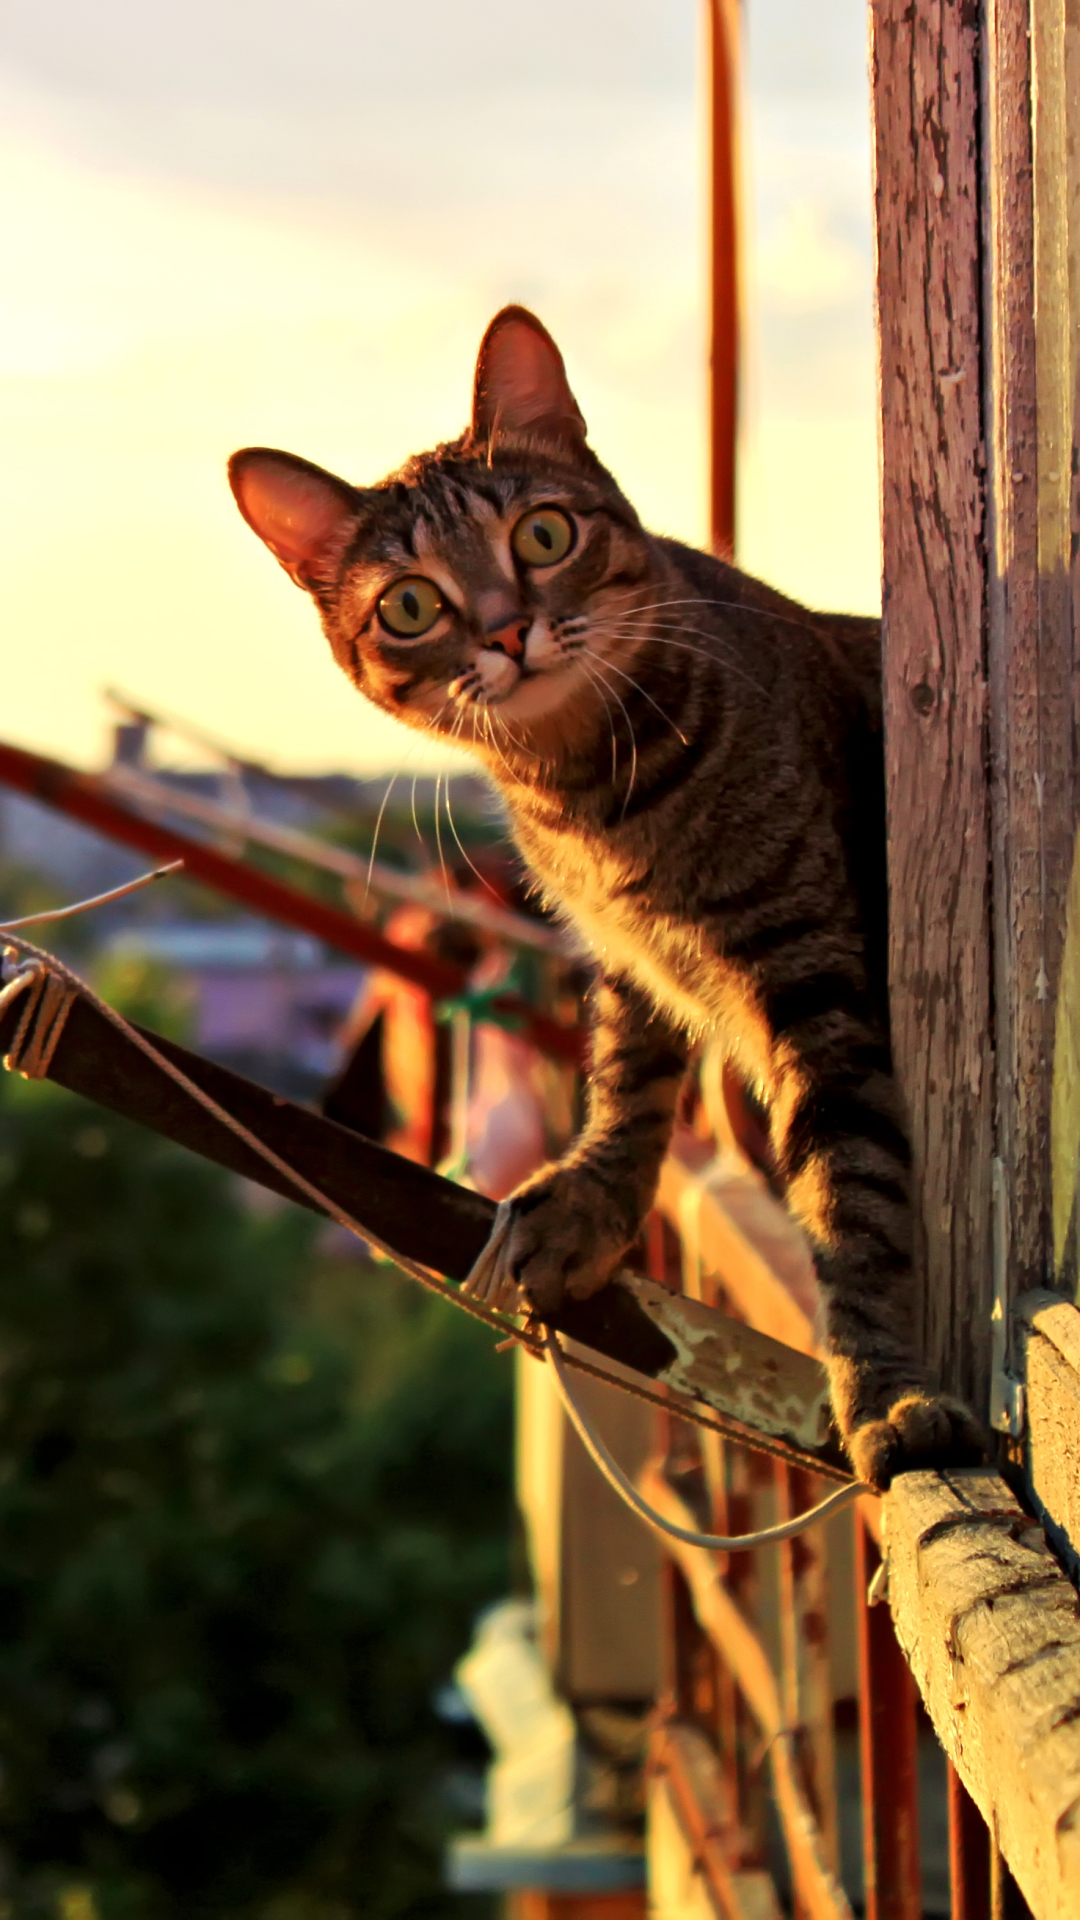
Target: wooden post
(1031,442)
(926,108)
(975,191)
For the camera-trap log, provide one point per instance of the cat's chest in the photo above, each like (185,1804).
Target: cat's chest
(638,920)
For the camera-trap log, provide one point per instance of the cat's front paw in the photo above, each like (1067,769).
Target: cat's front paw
(561,1233)
(919,1430)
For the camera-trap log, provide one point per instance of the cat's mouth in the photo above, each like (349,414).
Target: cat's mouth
(523,683)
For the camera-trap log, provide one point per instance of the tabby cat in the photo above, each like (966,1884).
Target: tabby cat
(693,770)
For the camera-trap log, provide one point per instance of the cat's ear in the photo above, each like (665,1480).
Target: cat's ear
(521,383)
(303,513)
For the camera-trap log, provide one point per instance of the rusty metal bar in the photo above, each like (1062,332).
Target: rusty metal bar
(723,37)
(680,1756)
(804,1577)
(969,1854)
(153,795)
(86,798)
(888,1701)
(738,1643)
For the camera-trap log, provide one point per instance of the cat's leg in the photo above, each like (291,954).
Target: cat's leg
(567,1228)
(844,1158)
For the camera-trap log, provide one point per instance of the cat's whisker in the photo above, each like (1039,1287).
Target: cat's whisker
(612,668)
(805,624)
(391,783)
(464,855)
(518,745)
(602,631)
(718,652)
(439,845)
(603,692)
(633,751)
(599,685)
(495,747)
(415,821)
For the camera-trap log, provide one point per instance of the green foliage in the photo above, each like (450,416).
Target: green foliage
(249,1505)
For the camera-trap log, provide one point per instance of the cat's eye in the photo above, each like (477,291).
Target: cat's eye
(543,537)
(410,607)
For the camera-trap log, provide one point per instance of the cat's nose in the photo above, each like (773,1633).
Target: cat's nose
(508,638)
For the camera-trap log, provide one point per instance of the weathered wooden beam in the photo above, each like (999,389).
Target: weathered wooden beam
(1030,363)
(978,231)
(773,1393)
(1048,1354)
(991,1628)
(925,68)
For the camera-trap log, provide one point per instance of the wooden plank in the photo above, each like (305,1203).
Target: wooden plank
(768,1390)
(1031,654)
(926,108)
(740,1647)
(991,1628)
(716,1243)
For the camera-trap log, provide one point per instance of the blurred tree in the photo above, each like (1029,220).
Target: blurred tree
(249,1505)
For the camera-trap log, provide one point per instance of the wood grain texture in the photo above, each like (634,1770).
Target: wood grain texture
(926,104)
(1030,651)
(1049,1349)
(991,1628)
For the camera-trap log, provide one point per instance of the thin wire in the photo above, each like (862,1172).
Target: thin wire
(615,1477)
(674,1400)
(519,1335)
(95,900)
(311,1192)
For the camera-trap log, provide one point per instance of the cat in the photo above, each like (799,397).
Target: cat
(693,770)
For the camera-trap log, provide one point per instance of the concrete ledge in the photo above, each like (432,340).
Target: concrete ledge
(585,1866)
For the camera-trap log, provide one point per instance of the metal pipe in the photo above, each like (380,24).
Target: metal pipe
(86,798)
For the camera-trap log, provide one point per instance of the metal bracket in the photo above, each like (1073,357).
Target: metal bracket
(1008,1410)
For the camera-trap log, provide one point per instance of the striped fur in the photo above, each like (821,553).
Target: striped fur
(693,769)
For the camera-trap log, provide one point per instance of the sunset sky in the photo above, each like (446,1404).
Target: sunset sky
(243,221)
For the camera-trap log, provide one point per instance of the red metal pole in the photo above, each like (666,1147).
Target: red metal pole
(889,1744)
(969,1854)
(83,797)
(723,32)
